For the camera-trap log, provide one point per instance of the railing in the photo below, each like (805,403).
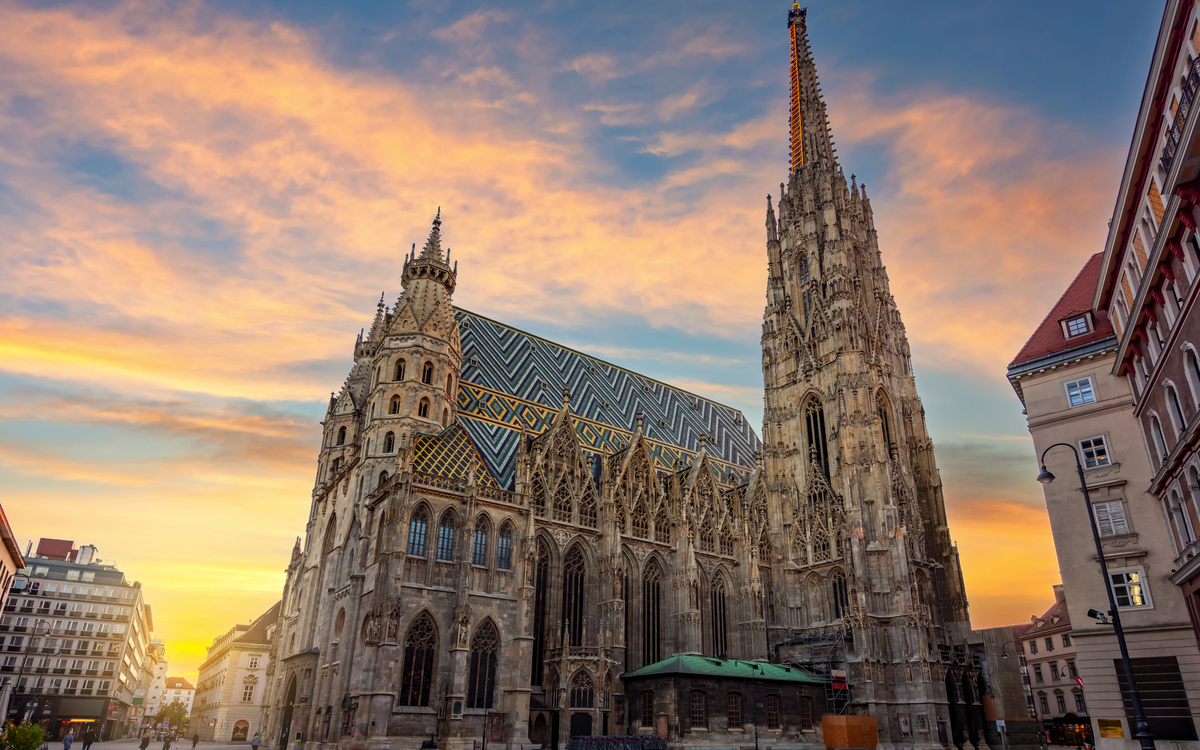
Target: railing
(441,483)
(499,495)
(1190,87)
(635,742)
(576,651)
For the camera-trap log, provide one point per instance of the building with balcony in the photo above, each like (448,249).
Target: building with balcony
(229,696)
(1064,377)
(74,636)
(1055,687)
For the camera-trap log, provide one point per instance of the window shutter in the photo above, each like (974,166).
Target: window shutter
(1103,519)
(1116,511)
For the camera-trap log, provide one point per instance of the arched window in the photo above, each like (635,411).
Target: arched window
(583,692)
(1193,492)
(698,713)
(641,521)
(399,370)
(647,709)
(587,510)
(838,594)
(1192,370)
(394,405)
(383,477)
(427,374)
(662,526)
(482,684)
(651,603)
(419,650)
(574,569)
(726,537)
(540,592)
(1160,440)
(1176,410)
(537,498)
(562,503)
(479,544)
(423,409)
(884,422)
(445,417)
(706,538)
(820,546)
(772,712)
(733,710)
(504,548)
(389,442)
(417,529)
(449,384)
(720,622)
(814,422)
(806,712)
(341,439)
(445,543)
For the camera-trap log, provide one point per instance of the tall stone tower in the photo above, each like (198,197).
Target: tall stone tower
(864,560)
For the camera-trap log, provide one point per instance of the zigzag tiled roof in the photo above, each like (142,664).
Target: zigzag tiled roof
(513,380)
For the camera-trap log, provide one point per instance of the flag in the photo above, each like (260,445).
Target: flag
(1079,681)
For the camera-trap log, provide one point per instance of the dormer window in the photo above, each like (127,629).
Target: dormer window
(1077,326)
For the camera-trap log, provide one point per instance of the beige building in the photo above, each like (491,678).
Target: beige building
(157,678)
(178,689)
(1055,687)
(1064,377)
(228,704)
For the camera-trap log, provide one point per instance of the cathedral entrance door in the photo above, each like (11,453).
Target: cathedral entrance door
(581,725)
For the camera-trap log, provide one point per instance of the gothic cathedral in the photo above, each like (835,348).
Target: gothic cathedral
(512,539)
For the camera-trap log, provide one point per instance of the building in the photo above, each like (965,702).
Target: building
(229,695)
(11,562)
(501,527)
(157,684)
(75,635)
(178,690)
(1055,685)
(1064,377)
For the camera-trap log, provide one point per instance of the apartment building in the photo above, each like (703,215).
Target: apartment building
(1054,681)
(74,636)
(229,701)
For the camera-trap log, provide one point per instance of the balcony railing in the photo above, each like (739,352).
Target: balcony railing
(1190,87)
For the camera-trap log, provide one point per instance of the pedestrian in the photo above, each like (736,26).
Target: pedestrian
(195,740)
(145,741)
(254,743)
(167,743)
(68,740)
(88,738)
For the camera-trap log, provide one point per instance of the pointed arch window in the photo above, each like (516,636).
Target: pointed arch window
(417,529)
(1180,422)
(537,499)
(884,422)
(394,405)
(540,592)
(383,477)
(419,649)
(651,614)
(720,621)
(389,442)
(726,537)
(481,687)
(707,538)
(562,503)
(445,417)
(445,542)
(504,548)
(814,424)
(423,409)
(574,570)
(427,374)
(583,692)
(641,522)
(820,546)
(839,594)
(341,438)
(662,527)
(587,510)
(399,370)
(480,542)
(449,384)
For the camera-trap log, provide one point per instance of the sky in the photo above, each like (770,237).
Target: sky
(201,202)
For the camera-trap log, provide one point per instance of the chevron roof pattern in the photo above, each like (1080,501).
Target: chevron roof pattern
(513,379)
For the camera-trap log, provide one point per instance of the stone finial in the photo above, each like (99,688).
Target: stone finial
(640,418)
(566,394)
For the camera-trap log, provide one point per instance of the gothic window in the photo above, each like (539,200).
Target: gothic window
(449,384)
(419,650)
(806,712)
(698,715)
(389,442)
(720,623)
(341,439)
(662,526)
(884,422)
(839,594)
(733,710)
(482,681)
(619,511)
(587,510)
(537,498)
(399,370)
(814,422)
(540,591)
(417,528)
(772,712)
(383,477)
(504,548)
(427,374)
(726,537)
(583,694)
(647,712)
(764,548)
(479,544)
(820,546)
(706,537)
(551,685)
(562,503)
(445,542)
(423,408)
(445,417)
(394,405)
(572,602)
(651,603)
(641,521)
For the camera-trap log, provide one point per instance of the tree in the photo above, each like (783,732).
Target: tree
(23,737)
(174,711)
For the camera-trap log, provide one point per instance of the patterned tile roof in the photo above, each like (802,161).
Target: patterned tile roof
(513,379)
(449,455)
(707,665)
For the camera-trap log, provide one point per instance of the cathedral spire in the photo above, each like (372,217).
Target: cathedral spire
(810,138)
(433,245)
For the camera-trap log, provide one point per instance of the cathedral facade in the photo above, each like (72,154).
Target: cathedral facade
(502,527)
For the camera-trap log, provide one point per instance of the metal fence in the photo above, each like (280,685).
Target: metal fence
(632,742)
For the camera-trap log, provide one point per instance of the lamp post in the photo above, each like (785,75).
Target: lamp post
(1142,728)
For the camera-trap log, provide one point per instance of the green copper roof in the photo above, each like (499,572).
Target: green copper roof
(706,665)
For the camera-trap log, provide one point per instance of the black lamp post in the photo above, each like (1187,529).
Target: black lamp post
(1142,728)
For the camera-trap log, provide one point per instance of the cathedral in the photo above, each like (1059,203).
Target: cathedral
(515,541)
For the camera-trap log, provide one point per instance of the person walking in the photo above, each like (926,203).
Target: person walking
(195,740)
(88,738)
(167,742)
(145,742)
(256,741)
(68,740)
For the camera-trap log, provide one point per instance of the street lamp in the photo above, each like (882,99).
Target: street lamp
(1142,734)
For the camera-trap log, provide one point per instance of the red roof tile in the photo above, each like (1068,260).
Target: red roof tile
(1048,338)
